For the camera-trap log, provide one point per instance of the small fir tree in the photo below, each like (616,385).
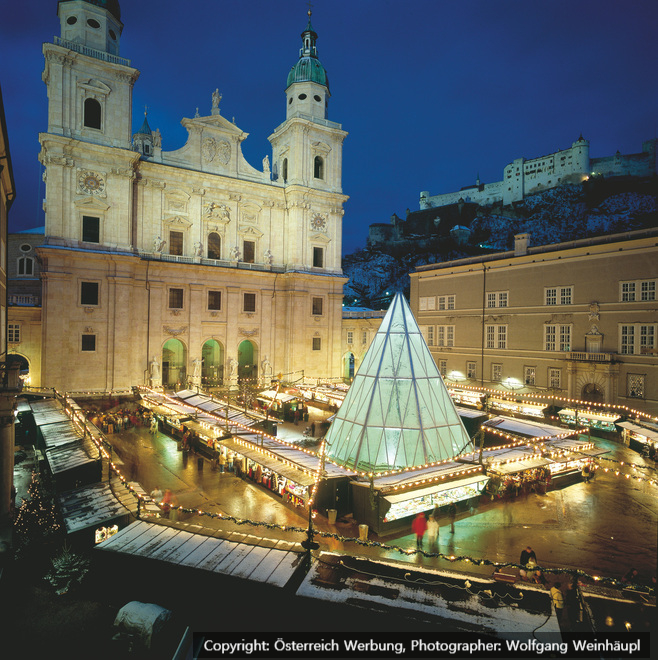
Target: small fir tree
(68,570)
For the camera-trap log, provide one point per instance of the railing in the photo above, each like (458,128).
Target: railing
(590,357)
(365,314)
(91,52)
(24,299)
(174,258)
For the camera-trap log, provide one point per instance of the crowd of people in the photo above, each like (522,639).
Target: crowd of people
(116,421)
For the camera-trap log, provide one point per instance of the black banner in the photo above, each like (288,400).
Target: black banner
(419,645)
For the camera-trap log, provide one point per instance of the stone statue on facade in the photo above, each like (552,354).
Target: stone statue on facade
(235,253)
(158,244)
(268,257)
(216,98)
(156,376)
(157,138)
(266,164)
(198,249)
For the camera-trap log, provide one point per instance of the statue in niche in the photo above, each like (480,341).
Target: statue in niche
(266,164)
(196,367)
(235,253)
(155,369)
(233,367)
(158,244)
(266,367)
(198,249)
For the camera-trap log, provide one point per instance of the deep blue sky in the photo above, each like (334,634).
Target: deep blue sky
(431,92)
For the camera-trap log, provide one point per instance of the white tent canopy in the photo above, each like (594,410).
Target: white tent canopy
(397,413)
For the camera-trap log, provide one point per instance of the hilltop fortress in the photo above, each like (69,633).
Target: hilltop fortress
(524,177)
(520,178)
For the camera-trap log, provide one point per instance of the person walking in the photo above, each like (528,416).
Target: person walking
(433,529)
(156,495)
(222,461)
(452,512)
(419,527)
(528,560)
(572,605)
(558,600)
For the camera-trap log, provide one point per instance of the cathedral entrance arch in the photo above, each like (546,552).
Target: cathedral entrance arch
(174,359)
(592,392)
(23,366)
(212,369)
(247,360)
(348,366)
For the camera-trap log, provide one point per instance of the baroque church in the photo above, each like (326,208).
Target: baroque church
(167,267)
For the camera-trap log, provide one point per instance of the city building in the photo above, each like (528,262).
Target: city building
(576,319)
(186,266)
(360,326)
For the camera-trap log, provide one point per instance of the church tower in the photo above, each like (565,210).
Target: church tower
(307,147)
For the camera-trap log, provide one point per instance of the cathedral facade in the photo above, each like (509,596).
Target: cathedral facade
(188,266)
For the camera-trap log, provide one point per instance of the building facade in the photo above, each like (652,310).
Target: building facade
(185,266)
(360,326)
(577,319)
(524,177)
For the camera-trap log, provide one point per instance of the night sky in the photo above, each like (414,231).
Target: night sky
(430,92)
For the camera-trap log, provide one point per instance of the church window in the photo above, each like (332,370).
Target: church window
(147,149)
(214,300)
(71,20)
(318,257)
(113,35)
(284,169)
(26,266)
(92,114)
(214,246)
(89,293)
(301,97)
(92,23)
(249,302)
(88,343)
(176,242)
(317,307)
(175,298)
(318,167)
(248,252)
(350,337)
(317,98)
(317,343)
(290,101)
(635,386)
(91,229)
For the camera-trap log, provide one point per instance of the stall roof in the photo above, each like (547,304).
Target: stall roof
(523,427)
(90,507)
(279,396)
(468,412)
(568,444)
(60,433)
(210,406)
(520,466)
(273,566)
(499,454)
(640,430)
(50,416)
(437,488)
(196,401)
(71,455)
(23,406)
(186,394)
(590,414)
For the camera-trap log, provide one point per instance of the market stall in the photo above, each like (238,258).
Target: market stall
(568,457)
(516,470)
(639,438)
(468,397)
(518,407)
(472,419)
(601,424)
(389,503)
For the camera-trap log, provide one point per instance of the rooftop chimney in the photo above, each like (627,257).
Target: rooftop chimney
(521,244)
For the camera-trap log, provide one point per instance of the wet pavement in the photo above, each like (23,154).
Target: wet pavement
(603,527)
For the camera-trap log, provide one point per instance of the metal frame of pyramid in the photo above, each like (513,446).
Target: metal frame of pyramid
(397,414)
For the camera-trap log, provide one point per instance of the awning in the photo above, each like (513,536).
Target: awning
(281,396)
(582,414)
(439,488)
(283,469)
(640,430)
(520,466)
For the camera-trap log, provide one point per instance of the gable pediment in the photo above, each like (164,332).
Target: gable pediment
(91,204)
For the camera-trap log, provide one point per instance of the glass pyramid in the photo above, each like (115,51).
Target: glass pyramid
(397,413)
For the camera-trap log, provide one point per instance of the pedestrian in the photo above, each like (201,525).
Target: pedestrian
(539,578)
(156,494)
(572,605)
(222,462)
(313,429)
(229,462)
(631,576)
(166,502)
(452,512)
(433,529)
(528,560)
(586,473)
(558,600)
(419,527)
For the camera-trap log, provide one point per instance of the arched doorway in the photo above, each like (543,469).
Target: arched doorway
(212,369)
(348,367)
(592,392)
(174,359)
(24,366)
(247,360)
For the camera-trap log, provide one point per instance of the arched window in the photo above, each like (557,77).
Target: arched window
(214,246)
(92,114)
(318,168)
(26,266)
(284,169)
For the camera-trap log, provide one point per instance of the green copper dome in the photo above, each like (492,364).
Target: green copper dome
(308,68)
(111,5)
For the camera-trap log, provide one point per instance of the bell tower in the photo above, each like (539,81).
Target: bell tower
(89,84)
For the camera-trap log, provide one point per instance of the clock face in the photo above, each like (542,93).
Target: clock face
(318,222)
(91,183)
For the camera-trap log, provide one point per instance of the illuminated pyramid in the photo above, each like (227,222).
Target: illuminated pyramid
(397,413)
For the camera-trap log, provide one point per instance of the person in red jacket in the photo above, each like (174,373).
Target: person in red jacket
(419,527)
